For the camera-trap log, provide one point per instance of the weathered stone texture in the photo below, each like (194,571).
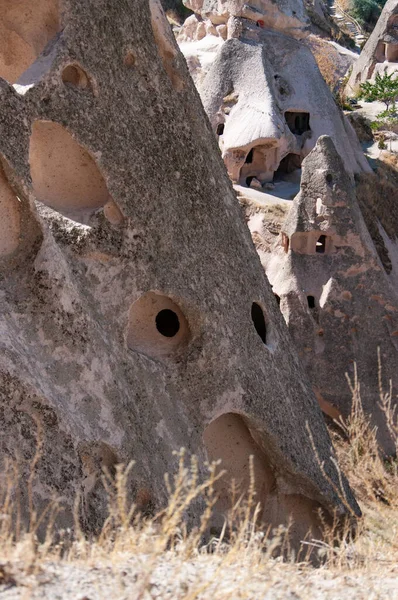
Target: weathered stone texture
(339,303)
(380,53)
(126,211)
(266,98)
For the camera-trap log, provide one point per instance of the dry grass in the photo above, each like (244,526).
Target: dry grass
(327,59)
(142,558)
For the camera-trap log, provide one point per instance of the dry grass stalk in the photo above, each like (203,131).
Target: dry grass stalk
(242,550)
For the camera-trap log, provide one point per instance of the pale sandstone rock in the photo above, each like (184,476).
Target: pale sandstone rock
(380,53)
(135,316)
(334,293)
(267,111)
(289,16)
(278,110)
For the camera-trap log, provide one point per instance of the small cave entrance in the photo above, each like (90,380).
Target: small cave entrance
(26,29)
(167,323)
(320,246)
(381,51)
(73,75)
(220,129)
(289,169)
(259,323)
(258,163)
(311,302)
(391,52)
(298,122)
(229,439)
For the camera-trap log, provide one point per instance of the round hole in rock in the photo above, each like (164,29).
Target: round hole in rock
(75,76)
(329,178)
(26,28)
(259,321)
(220,128)
(64,175)
(167,322)
(311,302)
(157,327)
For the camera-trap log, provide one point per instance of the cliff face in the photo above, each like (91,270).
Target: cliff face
(135,316)
(380,53)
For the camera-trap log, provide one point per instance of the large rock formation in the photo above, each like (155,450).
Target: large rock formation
(380,53)
(267,100)
(286,15)
(338,301)
(135,316)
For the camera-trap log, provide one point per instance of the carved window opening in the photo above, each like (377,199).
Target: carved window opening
(259,321)
(320,247)
(391,52)
(311,302)
(298,122)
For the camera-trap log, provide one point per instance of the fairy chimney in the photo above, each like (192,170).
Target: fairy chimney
(337,299)
(380,53)
(136,318)
(265,97)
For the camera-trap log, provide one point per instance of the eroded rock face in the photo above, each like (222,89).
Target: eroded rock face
(135,316)
(339,304)
(267,101)
(25,30)
(380,53)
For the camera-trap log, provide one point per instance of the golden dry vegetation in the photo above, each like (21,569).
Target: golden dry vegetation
(138,558)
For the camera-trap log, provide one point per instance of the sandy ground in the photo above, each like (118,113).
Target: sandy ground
(284,190)
(201,578)
(266,197)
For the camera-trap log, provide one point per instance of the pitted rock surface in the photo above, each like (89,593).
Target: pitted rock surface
(134,311)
